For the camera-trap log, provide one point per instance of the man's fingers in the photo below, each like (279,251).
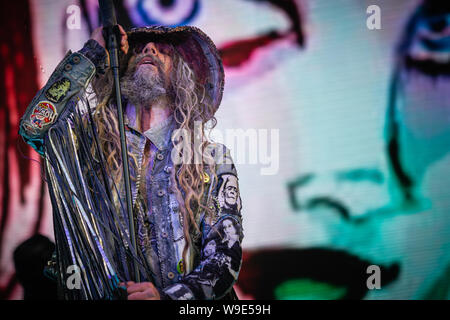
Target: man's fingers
(129,283)
(97,35)
(144,295)
(124,40)
(138,287)
(137,296)
(122,32)
(124,47)
(142,291)
(126,284)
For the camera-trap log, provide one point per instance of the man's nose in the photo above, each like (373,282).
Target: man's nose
(150,48)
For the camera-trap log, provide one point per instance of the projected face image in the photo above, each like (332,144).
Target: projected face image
(353,211)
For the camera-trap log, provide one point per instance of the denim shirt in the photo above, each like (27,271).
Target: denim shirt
(160,233)
(214,262)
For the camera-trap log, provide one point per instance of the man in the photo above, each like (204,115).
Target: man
(172,82)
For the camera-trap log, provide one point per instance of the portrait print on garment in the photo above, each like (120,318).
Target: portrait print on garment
(229,232)
(222,250)
(215,270)
(210,248)
(228,195)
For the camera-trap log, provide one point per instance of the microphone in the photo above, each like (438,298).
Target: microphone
(111,33)
(107,13)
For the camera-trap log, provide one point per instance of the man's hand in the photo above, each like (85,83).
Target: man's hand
(97,35)
(141,291)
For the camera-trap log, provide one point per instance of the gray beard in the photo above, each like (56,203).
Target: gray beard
(142,87)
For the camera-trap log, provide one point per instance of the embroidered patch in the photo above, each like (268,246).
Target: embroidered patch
(58,90)
(44,113)
(30,129)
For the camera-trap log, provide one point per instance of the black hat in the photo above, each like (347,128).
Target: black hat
(196,49)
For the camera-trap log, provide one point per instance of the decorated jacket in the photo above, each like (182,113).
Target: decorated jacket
(213,262)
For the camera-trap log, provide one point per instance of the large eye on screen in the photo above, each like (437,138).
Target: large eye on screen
(167,12)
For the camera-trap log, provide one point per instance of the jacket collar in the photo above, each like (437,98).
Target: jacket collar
(160,135)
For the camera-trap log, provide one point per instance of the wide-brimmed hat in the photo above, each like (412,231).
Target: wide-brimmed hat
(196,49)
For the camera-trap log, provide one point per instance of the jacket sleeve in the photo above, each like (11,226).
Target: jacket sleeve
(70,77)
(222,234)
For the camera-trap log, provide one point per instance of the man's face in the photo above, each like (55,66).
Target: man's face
(147,78)
(153,57)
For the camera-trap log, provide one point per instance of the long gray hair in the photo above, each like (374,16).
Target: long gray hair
(189,105)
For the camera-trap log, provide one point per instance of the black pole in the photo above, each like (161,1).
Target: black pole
(110,32)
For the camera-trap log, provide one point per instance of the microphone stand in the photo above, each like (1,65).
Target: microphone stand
(110,32)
